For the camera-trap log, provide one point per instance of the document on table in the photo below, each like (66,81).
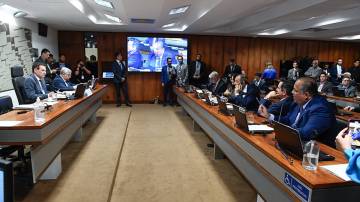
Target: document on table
(9,123)
(24,106)
(339,170)
(262,127)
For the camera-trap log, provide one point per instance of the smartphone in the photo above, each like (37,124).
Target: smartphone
(354,131)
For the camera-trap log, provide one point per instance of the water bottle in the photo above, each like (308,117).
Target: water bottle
(92,81)
(39,111)
(311,155)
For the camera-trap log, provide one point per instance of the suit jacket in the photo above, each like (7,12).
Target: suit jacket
(334,74)
(294,75)
(260,84)
(317,121)
(218,89)
(182,74)
(165,77)
(192,69)
(120,71)
(327,87)
(280,108)
(236,70)
(167,54)
(249,100)
(349,91)
(60,84)
(33,90)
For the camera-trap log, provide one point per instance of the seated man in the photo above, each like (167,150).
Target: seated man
(216,85)
(230,90)
(61,82)
(246,95)
(284,93)
(324,86)
(312,116)
(35,85)
(345,85)
(260,83)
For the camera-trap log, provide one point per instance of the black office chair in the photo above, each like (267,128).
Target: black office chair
(18,80)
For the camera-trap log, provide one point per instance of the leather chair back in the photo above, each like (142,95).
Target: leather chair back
(5,104)
(18,81)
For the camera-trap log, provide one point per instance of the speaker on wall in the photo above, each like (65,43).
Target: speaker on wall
(43,29)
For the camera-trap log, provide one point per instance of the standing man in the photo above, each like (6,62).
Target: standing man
(44,57)
(355,71)
(197,72)
(168,79)
(182,72)
(120,72)
(231,70)
(314,71)
(295,72)
(336,72)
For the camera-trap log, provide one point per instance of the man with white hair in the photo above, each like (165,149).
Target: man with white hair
(216,85)
(61,82)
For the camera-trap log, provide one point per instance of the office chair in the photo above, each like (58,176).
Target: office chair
(18,80)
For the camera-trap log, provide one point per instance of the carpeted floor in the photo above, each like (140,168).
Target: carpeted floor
(144,153)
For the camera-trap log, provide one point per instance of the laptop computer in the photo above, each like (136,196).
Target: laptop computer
(290,141)
(242,123)
(79,92)
(338,111)
(338,92)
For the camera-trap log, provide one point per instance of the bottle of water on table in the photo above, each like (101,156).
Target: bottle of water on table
(311,155)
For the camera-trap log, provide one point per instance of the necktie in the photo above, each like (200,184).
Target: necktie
(301,110)
(41,88)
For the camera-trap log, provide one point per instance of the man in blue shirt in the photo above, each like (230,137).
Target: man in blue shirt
(312,116)
(269,74)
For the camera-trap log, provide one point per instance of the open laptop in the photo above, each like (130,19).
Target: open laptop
(242,123)
(338,92)
(79,92)
(290,141)
(338,111)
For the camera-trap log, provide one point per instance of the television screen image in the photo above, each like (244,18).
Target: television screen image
(149,54)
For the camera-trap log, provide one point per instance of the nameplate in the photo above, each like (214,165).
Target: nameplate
(302,191)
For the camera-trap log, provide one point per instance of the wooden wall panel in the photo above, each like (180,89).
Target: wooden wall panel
(250,53)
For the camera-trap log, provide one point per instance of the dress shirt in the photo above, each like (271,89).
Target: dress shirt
(321,85)
(40,84)
(197,70)
(339,70)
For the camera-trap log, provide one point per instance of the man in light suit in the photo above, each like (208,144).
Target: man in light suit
(35,86)
(120,81)
(182,77)
(197,72)
(312,116)
(168,79)
(61,82)
(295,72)
(349,90)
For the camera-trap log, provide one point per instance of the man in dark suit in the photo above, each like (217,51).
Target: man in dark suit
(168,80)
(284,93)
(120,81)
(260,83)
(61,82)
(324,86)
(160,53)
(231,70)
(216,85)
(312,116)
(35,86)
(197,72)
(355,71)
(248,95)
(336,71)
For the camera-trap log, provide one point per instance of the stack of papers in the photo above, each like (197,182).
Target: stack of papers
(24,106)
(259,128)
(339,170)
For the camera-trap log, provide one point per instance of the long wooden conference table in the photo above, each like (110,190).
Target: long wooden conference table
(263,165)
(63,122)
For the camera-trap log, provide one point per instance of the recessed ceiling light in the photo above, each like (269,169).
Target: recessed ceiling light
(113,18)
(277,32)
(329,22)
(106,4)
(354,37)
(92,18)
(182,9)
(20,14)
(177,29)
(168,25)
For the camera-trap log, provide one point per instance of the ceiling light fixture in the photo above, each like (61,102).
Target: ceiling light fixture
(78,5)
(20,14)
(113,18)
(354,37)
(179,10)
(104,3)
(92,18)
(277,32)
(329,22)
(168,25)
(177,29)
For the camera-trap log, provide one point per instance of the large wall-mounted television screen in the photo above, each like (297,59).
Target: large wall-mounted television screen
(149,54)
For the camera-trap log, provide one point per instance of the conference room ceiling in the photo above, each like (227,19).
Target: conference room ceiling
(309,19)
